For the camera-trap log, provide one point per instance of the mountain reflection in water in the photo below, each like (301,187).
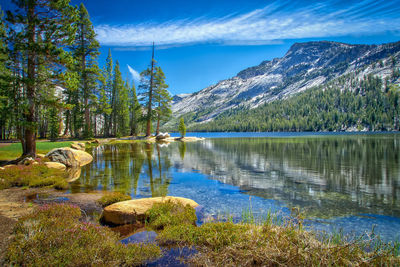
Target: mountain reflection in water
(326,176)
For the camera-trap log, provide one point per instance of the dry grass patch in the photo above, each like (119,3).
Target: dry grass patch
(53,236)
(248,244)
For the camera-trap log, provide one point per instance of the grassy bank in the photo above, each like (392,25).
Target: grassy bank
(54,235)
(32,176)
(266,244)
(14,150)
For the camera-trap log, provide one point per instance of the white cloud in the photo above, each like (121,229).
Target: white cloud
(134,73)
(276,21)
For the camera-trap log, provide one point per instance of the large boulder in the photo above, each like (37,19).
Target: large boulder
(132,211)
(162,136)
(55,165)
(69,157)
(77,147)
(73,174)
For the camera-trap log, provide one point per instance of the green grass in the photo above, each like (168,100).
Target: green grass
(32,176)
(288,244)
(169,213)
(112,198)
(14,150)
(53,236)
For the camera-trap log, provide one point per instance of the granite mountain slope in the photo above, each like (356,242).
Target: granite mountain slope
(304,66)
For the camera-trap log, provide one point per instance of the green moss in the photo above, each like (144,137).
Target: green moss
(169,213)
(53,236)
(32,176)
(112,198)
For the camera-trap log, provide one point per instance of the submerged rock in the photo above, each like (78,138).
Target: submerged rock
(69,157)
(141,237)
(131,211)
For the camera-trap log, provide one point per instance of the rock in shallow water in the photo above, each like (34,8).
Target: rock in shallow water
(131,211)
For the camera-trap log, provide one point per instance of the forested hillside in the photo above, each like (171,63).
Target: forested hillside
(345,104)
(304,66)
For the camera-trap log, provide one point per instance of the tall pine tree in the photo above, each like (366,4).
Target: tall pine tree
(39,31)
(85,51)
(5,83)
(162,98)
(135,111)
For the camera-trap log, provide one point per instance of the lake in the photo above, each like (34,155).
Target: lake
(348,182)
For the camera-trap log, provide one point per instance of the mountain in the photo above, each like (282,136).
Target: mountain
(304,66)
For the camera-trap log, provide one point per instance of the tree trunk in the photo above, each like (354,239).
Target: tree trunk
(94,126)
(29,136)
(158,124)
(67,122)
(148,127)
(85,85)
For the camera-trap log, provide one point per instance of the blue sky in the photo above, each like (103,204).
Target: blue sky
(200,42)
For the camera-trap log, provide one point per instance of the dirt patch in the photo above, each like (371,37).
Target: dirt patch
(12,207)
(17,202)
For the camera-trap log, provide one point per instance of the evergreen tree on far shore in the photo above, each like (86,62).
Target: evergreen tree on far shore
(182,127)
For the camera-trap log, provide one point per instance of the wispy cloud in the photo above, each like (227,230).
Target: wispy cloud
(134,73)
(277,21)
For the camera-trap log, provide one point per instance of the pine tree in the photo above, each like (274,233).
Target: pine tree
(39,31)
(135,111)
(110,94)
(123,110)
(120,109)
(146,92)
(54,125)
(85,51)
(162,98)
(104,104)
(5,82)
(182,127)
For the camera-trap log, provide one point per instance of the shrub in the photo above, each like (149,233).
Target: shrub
(53,236)
(112,198)
(33,176)
(170,213)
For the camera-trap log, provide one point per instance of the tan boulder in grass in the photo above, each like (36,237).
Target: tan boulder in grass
(76,146)
(69,157)
(55,165)
(82,145)
(134,210)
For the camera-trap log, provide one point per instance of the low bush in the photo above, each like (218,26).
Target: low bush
(53,236)
(170,213)
(112,198)
(32,176)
